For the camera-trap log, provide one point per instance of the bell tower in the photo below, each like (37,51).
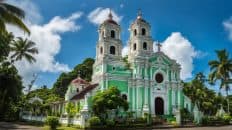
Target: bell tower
(108,50)
(109,42)
(140,41)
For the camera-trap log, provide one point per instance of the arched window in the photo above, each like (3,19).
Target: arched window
(135,32)
(112,33)
(145,46)
(112,50)
(101,50)
(124,96)
(143,31)
(134,46)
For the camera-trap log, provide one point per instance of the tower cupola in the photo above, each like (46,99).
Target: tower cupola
(109,42)
(140,41)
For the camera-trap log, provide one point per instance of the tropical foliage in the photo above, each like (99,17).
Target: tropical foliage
(70,108)
(221,70)
(10,91)
(206,100)
(23,48)
(53,122)
(85,70)
(109,99)
(10,14)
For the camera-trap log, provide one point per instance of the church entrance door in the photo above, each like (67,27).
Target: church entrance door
(159,106)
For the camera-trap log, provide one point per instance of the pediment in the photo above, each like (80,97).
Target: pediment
(161,58)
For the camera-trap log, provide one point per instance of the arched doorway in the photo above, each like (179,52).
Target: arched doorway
(159,106)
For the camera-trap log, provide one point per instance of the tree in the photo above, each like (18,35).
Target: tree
(85,69)
(206,99)
(5,41)
(221,68)
(23,48)
(10,89)
(70,108)
(108,99)
(10,14)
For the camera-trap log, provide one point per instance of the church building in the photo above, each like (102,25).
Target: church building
(149,81)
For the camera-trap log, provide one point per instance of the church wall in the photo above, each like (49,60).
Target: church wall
(121,85)
(130,98)
(170,101)
(140,98)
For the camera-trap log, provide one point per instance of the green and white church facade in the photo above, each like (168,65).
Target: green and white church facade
(149,81)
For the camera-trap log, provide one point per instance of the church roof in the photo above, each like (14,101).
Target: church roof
(110,19)
(82,93)
(79,80)
(140,19)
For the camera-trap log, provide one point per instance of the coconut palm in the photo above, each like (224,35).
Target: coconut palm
(221,70)
(5,41)
(23,48)
(10,14)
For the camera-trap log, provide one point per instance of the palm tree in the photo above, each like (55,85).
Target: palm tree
(221,70)
(12,15)
(23,48)
(201,77)
(5,41)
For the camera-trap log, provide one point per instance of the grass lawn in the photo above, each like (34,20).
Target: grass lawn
(62,128)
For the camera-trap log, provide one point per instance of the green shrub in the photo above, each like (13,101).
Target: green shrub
(52,121)
(94,121)
(110,122)
(140,120)
(170,119)
(205,120)
(226,118)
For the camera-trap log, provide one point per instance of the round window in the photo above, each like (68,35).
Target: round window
(159,78)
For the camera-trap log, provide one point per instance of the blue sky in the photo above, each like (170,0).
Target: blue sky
(202,26)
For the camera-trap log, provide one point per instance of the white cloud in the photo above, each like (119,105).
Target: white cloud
(31,10)
(179,48)
(48,41)
(228,27)
(99,15)
(125,50)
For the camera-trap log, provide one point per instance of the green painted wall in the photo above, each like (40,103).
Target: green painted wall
(181,99)
(169,75)
(130,98)
(170,101)
(140,97)
(121,85)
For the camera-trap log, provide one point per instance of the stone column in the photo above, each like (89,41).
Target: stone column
(145,106)
(197,114)
(85,111)
(179,98)
(178,116)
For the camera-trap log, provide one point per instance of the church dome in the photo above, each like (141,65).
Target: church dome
(110,19)
(139,19)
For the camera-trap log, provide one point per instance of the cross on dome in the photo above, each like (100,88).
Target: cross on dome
(110,15)
(139,14)
(159,47)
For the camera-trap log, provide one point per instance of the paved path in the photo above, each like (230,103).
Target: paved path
(16,126)
(19,126)
(202,128)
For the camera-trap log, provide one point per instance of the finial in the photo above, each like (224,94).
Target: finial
(110,15)
(139,15)
(79,74)
(159,47)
